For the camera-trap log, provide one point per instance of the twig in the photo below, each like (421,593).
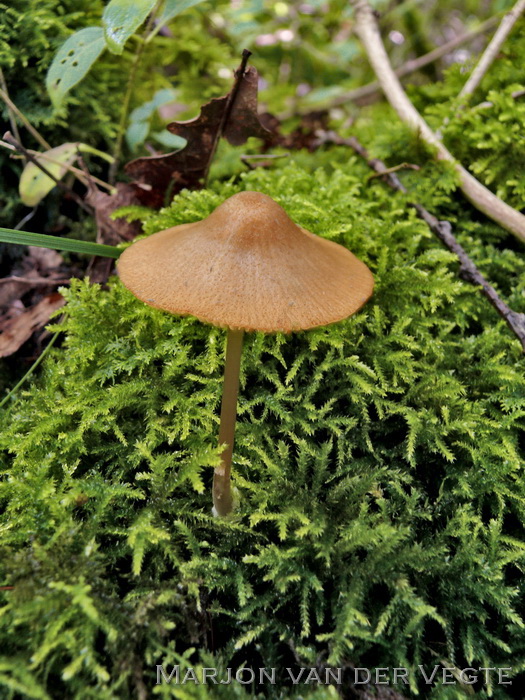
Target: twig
(41,140)
(71,168)
(407,68)
(487,104)
(11,140)
(486,60)
(7,100)
(265,159)
(30,371)
(239,75)
(490,53)
(443,230)
(395,169)
(45,281)
(25,219)
(479,196)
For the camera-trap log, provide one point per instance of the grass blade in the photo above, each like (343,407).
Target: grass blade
(72,245)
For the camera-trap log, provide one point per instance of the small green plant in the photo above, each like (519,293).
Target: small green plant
(120,20)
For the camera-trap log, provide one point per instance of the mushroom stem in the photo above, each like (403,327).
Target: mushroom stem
(222,497)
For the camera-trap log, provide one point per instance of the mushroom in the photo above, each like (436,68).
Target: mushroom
(246,267)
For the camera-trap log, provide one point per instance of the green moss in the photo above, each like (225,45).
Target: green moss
(378,460)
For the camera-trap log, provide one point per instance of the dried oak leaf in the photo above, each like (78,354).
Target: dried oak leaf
(38,269)
(17,330)
(112,231)
(188,167)
(306,135)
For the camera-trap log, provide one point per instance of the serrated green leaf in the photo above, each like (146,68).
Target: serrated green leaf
(121,19)
(72,61)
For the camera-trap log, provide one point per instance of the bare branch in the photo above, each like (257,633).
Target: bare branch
(490,53)
(70,168)
(480,197)
(485,61)
(11,106)
(443,230)
(8,137)
(415,64)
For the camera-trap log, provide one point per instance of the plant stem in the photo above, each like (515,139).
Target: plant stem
(117,151)
(222,497)
(486,60)
(11,105)
(143,40)
(30,371)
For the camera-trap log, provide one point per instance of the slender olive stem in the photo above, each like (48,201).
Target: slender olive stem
(222,497)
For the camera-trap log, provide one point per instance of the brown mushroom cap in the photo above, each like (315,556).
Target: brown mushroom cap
(247,266)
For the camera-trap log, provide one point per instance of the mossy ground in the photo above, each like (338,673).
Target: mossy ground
(378,461)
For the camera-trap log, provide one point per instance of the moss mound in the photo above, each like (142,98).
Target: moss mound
(378,463)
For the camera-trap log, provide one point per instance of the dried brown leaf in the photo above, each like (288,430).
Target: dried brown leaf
(113,231)
(188,167)
(306,135)
(16,331)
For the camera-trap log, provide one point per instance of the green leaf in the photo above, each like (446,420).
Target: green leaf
(136,134)
(172,8)
(35,184)
(72,245)
(122,18)
(72,61)
(171,141)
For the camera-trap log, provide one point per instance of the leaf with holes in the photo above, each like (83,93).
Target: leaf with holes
(73,60)
(122,18)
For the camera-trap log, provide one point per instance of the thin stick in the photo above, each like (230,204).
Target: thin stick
(487,104)
(485,61)
(12,115)
(490,53)
(479,196)
(33,281)
(239,74)
(443,230)
(117,150)
(11,140)
(41,140)
(222,497)
(71,168)
(30,371)
(407,68)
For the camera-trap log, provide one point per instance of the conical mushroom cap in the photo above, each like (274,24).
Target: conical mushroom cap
(247,266)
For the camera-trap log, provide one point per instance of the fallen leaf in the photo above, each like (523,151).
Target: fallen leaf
(36,269)
(113,231)
(34,184)
(306,135)
(187,168)
(17,330)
